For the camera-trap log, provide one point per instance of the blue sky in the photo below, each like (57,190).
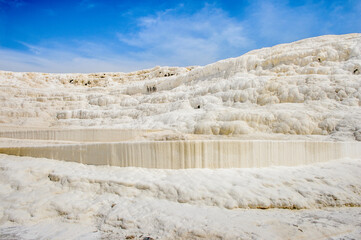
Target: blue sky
(96,36)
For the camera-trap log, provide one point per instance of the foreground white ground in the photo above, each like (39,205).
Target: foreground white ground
(309,90)
(47,199)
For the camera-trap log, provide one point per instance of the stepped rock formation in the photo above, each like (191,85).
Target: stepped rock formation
(310,87)
(249,118)
(308,90)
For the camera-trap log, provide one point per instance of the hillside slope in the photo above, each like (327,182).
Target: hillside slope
(306,89)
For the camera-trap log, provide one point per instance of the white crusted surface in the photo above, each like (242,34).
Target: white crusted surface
(310,87)
(308,90)
(112,202)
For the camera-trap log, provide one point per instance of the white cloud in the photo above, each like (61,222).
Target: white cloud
(62,60)
(13,3)
(275,22)
(167,38)
(87,4)
(174,38)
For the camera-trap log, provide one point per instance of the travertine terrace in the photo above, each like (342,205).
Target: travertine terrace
(310,87)
(201,150)
(306,93)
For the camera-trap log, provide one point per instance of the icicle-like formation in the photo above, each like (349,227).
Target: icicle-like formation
(195,154)
(77,135)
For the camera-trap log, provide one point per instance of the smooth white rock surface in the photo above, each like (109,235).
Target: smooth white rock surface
(43,198)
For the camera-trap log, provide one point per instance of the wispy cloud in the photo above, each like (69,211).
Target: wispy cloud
(13,3)
(274,22)
(87,4)
(62,59)
(174,38)
(165,38)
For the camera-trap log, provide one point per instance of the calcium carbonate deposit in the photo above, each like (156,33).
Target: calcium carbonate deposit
(263,146)
(311,87)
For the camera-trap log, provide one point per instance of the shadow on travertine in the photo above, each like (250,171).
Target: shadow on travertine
(116,148)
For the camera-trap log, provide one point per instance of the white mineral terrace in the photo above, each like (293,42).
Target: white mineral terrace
(188,152)
(307,89)
(119,150)
(291,97)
